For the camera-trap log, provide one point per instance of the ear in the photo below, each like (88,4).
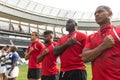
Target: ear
(110,13)
(75,24)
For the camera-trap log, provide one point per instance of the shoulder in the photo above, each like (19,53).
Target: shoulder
(80,33)
(62,38)
(80,36)
(54,43)
(15,54)
(39,43)
(92,36)
(117,28)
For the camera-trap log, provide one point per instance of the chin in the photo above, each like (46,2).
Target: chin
(99,23)
(31,39)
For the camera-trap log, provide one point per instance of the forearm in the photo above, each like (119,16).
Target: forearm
(27,55)
(40,58)
(90,55)
(2,51)
(5,60)
(58,50)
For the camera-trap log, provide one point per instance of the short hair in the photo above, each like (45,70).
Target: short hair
(13,49)
(36,34)
(7,46)
(48,32)
(105,7)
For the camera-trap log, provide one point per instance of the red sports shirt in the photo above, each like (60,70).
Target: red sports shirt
(38,47)
(49,64)
(71,58)
(107,65)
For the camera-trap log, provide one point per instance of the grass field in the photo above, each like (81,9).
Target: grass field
(23,72)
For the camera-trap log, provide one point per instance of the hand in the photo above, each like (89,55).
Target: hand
(46,51)
(71,41)
(3,48)
(108,41)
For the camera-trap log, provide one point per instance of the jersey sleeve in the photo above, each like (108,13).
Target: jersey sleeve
(14,58)
(40,47)
(28,49)
(88,43)
(81,38)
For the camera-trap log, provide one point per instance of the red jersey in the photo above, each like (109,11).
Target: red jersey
(71,58)
(107,65)
(49,64)
(38,47)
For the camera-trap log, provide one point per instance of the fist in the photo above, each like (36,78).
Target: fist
(46,51)
(109,41)
(71,41)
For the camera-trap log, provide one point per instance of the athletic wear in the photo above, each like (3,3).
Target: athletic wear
(71,58)
(49,64)
(32,63)
(38,46)
(12,58)
(106,66)
(14,73)
(73,75)
(34,73)
(2,64)
(52,77)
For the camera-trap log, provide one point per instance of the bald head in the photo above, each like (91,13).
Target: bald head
(70,26)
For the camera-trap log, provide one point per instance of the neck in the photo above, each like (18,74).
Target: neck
(35,40)
(105,24)
(51,40)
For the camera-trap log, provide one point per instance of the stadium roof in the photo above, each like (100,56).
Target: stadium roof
(40,9)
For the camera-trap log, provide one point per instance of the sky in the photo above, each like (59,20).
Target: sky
(81,5)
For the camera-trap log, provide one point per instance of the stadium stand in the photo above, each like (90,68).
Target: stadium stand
(19,18)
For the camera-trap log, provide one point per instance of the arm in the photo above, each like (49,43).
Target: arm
(2,56)
(58,50)
(2,50)
(12,67)
(27,55)
(90,55)
(5,60)
(41,57)
(14,59)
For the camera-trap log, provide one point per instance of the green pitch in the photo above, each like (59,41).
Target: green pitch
(23,72)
